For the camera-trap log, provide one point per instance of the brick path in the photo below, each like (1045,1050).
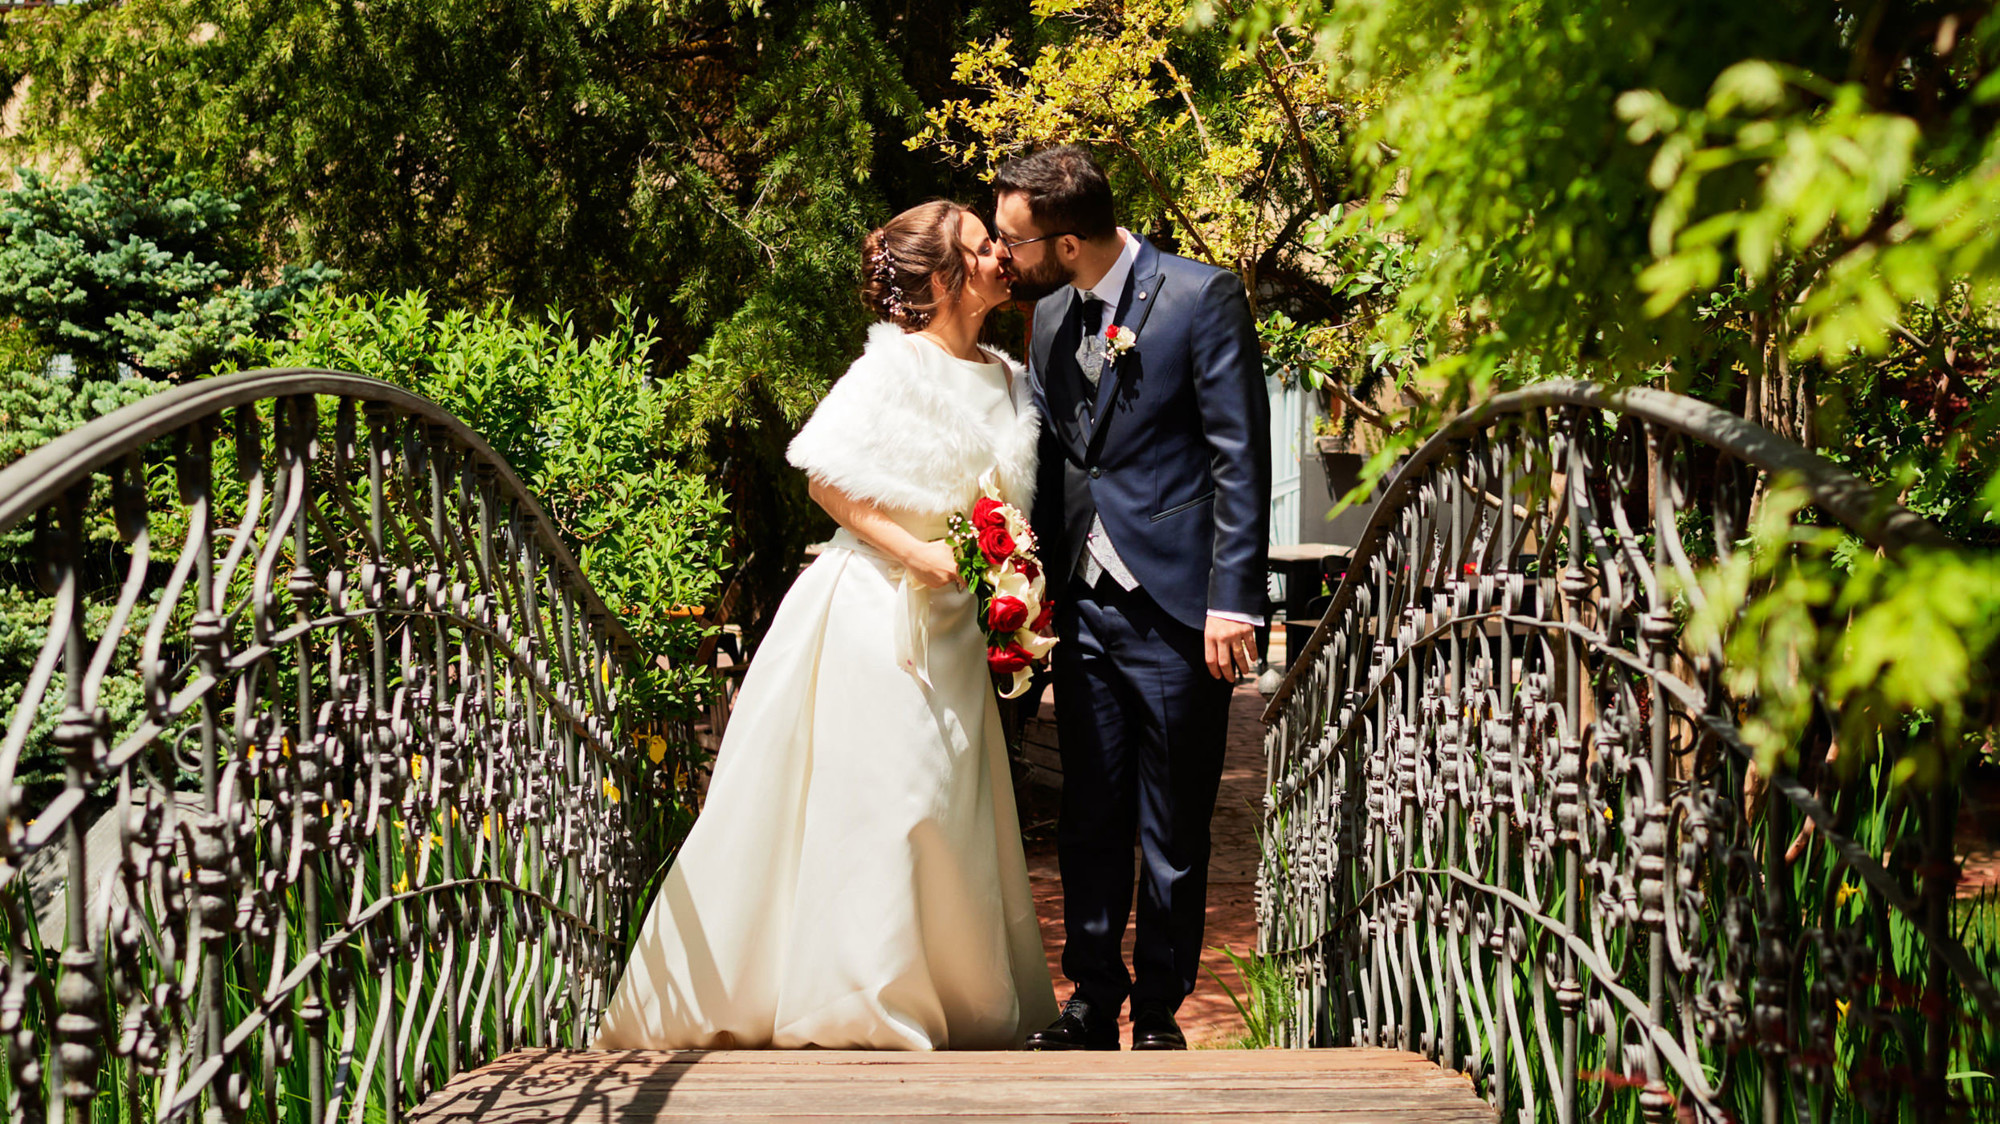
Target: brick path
(1208,1018)
(1978,836)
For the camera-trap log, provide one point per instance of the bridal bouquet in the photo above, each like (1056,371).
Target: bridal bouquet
(996,557)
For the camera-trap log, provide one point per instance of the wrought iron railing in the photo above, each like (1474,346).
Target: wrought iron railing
(1512,822)
(317,792)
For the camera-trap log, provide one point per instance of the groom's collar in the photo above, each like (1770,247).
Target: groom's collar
(1110,288)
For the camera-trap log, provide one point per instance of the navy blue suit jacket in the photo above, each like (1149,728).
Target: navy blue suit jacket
(1174,447)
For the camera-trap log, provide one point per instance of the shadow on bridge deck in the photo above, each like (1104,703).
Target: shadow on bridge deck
(1347,1086)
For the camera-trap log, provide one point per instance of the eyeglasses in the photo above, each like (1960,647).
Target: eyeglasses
(1011,244)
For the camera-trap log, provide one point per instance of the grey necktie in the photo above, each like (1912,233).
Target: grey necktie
(1090,349)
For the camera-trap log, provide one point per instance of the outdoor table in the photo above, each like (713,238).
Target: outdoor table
(1304,566)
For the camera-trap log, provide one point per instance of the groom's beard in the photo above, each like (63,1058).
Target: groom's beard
(1046,278)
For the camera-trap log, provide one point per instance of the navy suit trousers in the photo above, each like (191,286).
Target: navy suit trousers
(1142,725)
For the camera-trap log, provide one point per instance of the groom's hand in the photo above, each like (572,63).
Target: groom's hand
(1232,647)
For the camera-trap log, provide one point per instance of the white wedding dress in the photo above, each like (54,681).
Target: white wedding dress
(855,879)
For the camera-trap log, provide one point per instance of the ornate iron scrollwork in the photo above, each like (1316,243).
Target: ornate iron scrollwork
(372,818)
(1509,822)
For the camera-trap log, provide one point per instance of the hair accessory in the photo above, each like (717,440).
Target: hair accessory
(882,270)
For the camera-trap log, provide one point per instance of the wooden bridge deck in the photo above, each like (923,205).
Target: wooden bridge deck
(1346,1086)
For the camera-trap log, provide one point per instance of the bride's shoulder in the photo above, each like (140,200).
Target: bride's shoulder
(1000,355)
(890,433)
(888,348)
(888,366)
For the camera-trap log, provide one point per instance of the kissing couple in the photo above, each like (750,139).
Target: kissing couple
(856,877)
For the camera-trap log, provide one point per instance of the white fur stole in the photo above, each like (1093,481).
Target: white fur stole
(891,431)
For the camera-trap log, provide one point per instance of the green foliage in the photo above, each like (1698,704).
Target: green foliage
(1887,644)
(24,623)
(1782,208)
(713,162)
(1355,359)
(1235,147)
(1885,1018)
(1496,152)
(1748,203)
(588,430)
(134,265)
(1851,189)
(36,406)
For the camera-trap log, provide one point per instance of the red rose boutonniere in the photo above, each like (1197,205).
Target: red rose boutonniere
(1118,339)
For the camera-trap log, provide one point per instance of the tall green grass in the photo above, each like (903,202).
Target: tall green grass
(1265,1003)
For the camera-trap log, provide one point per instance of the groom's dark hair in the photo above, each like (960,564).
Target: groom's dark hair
(1067,192)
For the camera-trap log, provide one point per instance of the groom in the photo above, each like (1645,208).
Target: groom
(1152,507)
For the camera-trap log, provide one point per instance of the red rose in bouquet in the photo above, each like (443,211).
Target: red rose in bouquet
(996,557)
(996,544)
(1006,614)
(1008,659)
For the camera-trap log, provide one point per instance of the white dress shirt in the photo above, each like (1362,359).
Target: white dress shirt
(1099,555)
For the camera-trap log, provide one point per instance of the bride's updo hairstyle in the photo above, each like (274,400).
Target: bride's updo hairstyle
(913,265)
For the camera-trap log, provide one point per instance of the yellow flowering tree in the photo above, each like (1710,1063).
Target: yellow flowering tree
(1233,146)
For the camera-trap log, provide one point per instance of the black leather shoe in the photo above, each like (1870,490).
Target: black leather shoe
(1155,1029)
(1081,1026)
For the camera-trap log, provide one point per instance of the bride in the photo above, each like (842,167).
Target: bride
(856,879)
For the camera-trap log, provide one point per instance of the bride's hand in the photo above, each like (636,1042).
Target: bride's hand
(933,563)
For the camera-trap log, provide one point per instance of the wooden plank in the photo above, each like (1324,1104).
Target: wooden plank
(578,1114)
(959,1095)
(924,1100)
(720,1076)
(919,1099)
(715,1075)
(1351,1057)
(1351,1086)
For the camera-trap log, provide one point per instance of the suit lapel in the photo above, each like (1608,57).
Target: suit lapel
(1047,323)
(1135,304)
(1058,371)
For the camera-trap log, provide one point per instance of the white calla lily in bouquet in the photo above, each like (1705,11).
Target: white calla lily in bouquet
(996,557)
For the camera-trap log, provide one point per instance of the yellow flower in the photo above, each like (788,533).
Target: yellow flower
(611,790)
(1608,817)
(605,674)
(656,748)
(437,840)
(486,826)
(417,766)
(1845,892)
(324,809)
(1841,1006)
(402,886)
